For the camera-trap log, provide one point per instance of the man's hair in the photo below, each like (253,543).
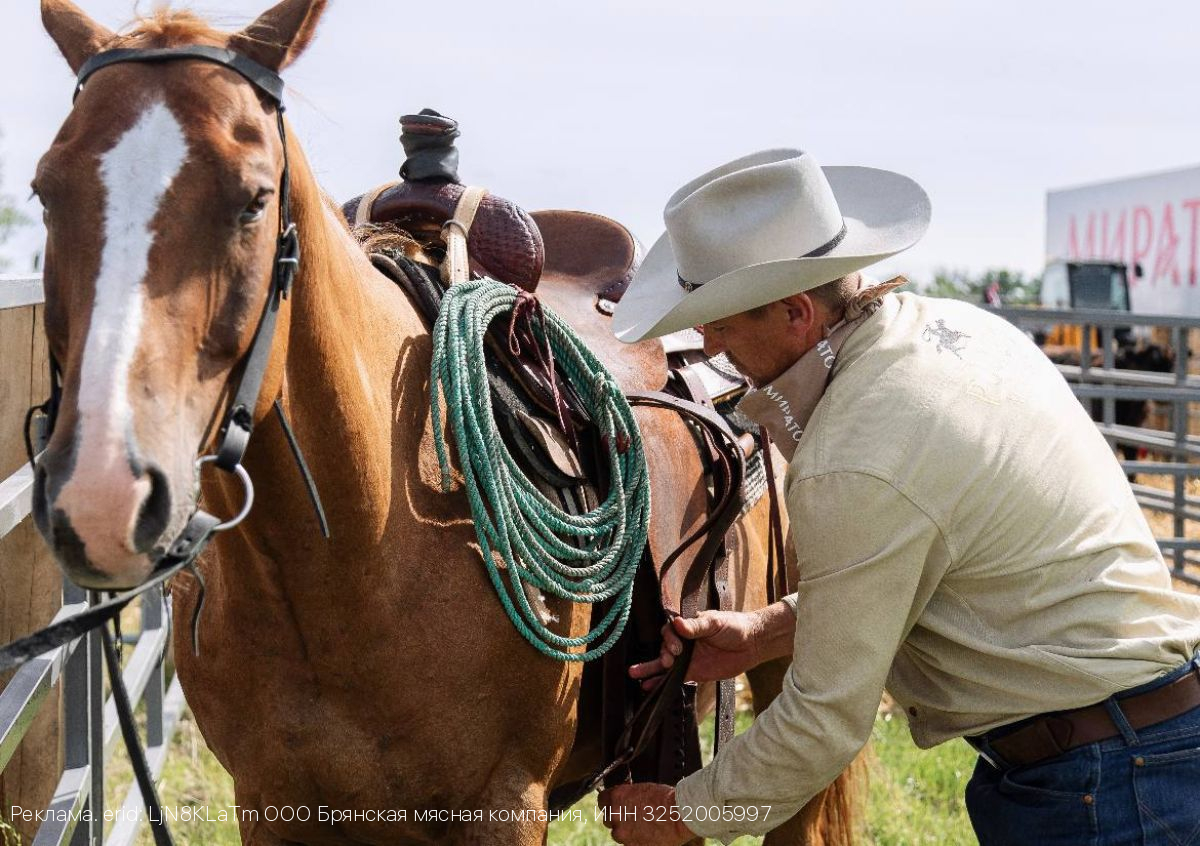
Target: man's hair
(832,296)
(836,295)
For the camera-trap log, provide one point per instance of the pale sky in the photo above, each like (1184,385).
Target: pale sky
(609,106)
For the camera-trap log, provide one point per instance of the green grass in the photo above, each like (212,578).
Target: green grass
(8,834)
(194,778)
(915,796)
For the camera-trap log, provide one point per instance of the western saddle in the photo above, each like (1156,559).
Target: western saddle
(580,265)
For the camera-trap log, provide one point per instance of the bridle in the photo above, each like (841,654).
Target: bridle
(233,435)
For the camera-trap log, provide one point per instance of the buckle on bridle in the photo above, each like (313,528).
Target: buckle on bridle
(287,259)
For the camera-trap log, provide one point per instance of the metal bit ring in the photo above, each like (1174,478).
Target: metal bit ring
(247,484)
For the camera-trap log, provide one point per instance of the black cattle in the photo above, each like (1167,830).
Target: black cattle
(1152,358)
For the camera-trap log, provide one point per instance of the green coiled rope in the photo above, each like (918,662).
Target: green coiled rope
(585,558)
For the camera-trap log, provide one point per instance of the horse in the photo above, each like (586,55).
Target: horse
(374,673)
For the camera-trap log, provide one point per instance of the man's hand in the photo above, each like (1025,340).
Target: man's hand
(643,815)
(727,643)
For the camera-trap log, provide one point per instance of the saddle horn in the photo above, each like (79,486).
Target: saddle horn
(502,240)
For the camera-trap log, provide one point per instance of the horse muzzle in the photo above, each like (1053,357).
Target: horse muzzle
(103,523)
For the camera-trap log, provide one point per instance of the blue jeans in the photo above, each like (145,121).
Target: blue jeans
(1140,788)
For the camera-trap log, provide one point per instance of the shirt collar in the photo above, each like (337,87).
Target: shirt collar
(784,406)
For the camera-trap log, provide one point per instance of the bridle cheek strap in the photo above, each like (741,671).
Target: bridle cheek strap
(235,430)
(238,422)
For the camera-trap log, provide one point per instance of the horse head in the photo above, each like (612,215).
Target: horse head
(162,205)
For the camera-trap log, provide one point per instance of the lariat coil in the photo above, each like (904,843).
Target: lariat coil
(585,558)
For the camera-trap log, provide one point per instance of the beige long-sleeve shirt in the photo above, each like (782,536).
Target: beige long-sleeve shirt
(966,540)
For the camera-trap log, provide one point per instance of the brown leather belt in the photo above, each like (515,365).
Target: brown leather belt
(1053,734)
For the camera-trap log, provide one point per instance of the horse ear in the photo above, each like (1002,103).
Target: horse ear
(281,34)
(78,37)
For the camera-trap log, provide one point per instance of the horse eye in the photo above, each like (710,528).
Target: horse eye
(254,211)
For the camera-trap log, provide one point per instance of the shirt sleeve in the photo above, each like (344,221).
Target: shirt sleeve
(867,556)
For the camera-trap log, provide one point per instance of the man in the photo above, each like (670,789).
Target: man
(964,535)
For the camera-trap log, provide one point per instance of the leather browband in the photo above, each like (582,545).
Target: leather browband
(824,249)
(266,81)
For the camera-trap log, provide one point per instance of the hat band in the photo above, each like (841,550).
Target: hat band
(827,247)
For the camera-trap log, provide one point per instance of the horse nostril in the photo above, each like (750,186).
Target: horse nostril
(155,512)
(68,546)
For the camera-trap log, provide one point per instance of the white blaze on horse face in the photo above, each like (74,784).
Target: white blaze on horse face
(136,173)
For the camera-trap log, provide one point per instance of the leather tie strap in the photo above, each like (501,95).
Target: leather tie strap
(727,472)
(366,205)
(457,266)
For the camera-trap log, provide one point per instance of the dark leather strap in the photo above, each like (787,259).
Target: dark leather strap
(728,471)
(1053,734)
(266,81)
(239,420)
(306,476)
(189,544)
(726,688)
(129,733)
(43,417)
(671,696)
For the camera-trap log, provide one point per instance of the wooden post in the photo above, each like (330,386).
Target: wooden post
(30,583)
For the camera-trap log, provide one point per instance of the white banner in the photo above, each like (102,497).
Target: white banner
(1148,220)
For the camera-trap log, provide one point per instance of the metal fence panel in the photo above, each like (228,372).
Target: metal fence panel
(89,727)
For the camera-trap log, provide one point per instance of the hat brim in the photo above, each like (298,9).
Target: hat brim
(885,213)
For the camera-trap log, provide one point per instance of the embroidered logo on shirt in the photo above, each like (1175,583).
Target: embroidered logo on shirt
(947,338)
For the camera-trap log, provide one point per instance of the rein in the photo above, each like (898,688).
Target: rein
(234,433)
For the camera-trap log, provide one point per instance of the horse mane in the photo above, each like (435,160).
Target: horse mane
(169,27)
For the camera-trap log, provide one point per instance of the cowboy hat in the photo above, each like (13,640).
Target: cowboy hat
(762,228)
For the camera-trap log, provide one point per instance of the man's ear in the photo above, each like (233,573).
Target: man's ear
(801,310)
(281,34)
(78,37)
